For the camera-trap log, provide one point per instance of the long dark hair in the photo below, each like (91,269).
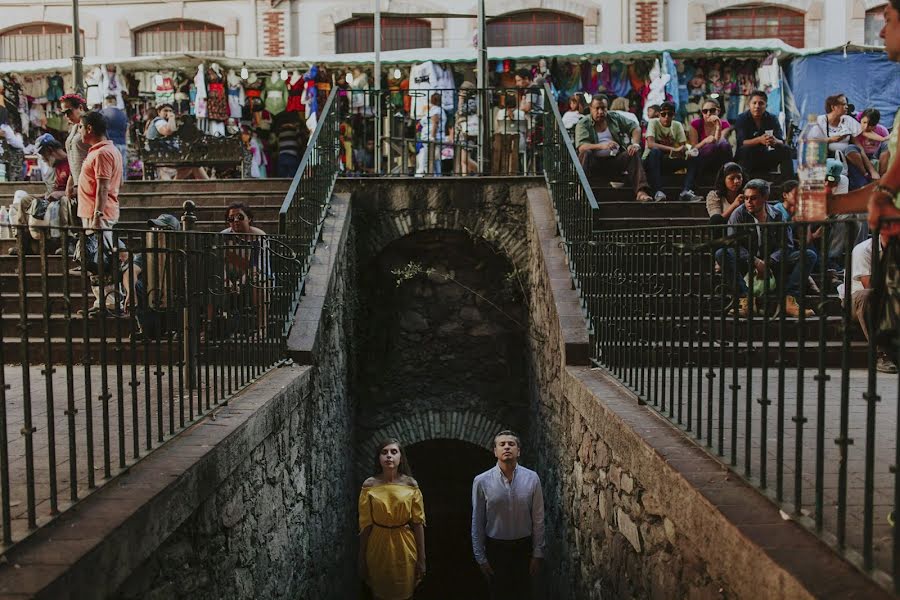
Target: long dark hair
(403,468)
(726,170)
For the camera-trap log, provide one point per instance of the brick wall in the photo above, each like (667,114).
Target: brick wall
(646,20)
(273,37)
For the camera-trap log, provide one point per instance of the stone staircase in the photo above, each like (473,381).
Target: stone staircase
(139,201)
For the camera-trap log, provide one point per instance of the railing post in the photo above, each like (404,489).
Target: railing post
(188,222)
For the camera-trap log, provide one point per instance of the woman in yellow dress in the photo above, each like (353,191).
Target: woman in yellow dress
(392,527)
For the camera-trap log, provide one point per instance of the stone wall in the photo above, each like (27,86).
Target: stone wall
(607,535)
(282,525)
(441,307)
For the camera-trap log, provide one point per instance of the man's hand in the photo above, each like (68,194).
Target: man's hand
(606,146)
(534,567)
(633,149)
(97,223)
(486,569)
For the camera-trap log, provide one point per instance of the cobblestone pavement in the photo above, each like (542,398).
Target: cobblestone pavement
(737,406)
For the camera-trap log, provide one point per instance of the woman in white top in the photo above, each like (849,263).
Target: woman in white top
(840,128)
(575,112)
(434,124)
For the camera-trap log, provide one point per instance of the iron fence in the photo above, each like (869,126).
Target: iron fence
(103,363)
(306,202)
(438,131)
(766,343)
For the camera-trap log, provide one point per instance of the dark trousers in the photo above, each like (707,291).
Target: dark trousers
(707,161)
(759,158)
(658,162)
(611,166)
(287,165)
(510,560)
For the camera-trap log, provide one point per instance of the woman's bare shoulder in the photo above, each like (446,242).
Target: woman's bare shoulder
(407,480)
(370,482)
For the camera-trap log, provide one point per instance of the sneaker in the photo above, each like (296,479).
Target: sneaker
(659,197)
(883,364)
(792,308)
(643,197)
(13,251)
(742,309)
(689,196)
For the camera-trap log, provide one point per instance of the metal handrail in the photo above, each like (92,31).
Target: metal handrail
(570,149)
(306,161)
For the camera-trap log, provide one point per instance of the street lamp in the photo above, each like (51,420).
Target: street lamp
(77,68)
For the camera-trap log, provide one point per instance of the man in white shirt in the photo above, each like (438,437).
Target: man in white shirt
(861,296)
(508,522)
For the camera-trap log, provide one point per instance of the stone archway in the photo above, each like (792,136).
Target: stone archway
(462,426)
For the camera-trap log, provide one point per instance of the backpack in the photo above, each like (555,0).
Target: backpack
(38,217)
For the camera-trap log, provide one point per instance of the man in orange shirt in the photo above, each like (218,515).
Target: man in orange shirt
(98,190)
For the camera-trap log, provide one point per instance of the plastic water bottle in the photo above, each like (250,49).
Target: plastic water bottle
(812,156)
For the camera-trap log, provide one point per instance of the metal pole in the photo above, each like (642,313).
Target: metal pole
(482,83)
(77,69)
(377,75)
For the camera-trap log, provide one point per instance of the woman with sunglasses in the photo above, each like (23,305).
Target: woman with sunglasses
(708,137)
(74,108)
(248,269)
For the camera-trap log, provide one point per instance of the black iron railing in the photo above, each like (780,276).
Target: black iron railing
(431,132)
(306,203)
(740,337)
(104,363)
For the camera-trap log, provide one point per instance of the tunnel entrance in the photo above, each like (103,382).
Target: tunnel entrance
(445,470)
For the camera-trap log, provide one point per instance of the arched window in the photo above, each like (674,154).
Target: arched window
(535,28)
(179,37)
(397,33)
(874,23)
(38,41)
(757,21)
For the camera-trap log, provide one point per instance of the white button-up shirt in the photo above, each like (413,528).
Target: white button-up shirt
(507,510)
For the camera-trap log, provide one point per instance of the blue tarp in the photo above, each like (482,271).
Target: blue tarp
(868,79)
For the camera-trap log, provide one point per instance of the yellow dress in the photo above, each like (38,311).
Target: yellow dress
(391,551)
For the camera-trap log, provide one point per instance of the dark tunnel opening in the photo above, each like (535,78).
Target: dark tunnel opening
(445,470)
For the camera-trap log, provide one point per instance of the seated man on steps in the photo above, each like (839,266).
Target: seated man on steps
(760,140)
(736,261)
(608,144)
(666,149)
(861,296)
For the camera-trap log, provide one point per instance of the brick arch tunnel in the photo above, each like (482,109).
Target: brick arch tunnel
(442,365)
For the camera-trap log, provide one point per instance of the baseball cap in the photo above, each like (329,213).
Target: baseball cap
(833,170)
(46,142)
(165,221)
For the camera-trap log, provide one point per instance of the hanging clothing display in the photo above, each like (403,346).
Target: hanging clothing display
(165,90)
(253,92)
(235,96)
(295,94)
(276,95)
(94,95)
(200,97)
(183,95)
(112,84)
(216,103)
(55,88)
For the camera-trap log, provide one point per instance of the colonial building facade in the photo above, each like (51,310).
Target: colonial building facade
(42,29)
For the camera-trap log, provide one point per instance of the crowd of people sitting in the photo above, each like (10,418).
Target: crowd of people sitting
(755,141)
